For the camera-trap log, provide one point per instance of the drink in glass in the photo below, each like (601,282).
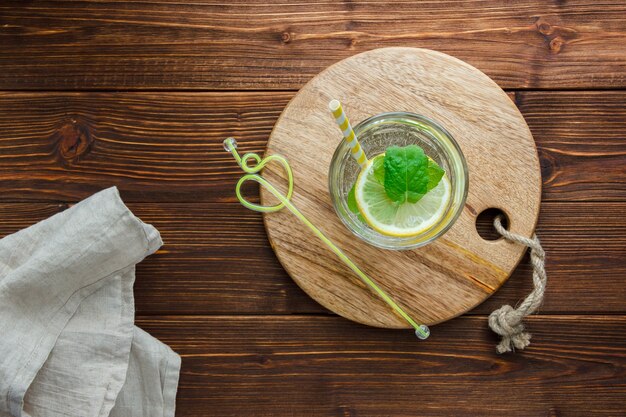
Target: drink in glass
(390,202)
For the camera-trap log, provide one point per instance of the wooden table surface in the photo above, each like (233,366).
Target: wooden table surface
(140,94)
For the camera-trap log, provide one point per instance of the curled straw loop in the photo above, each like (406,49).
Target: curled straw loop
(253,176)
(507,321)
(230,145)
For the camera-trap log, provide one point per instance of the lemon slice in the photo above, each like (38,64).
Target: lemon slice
(398,219)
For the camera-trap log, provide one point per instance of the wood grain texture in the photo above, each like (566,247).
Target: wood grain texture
(265,45)
(327,366)
(455,272)
(163,150)
(582,145)
(167,146)
(159,147)
(216,259)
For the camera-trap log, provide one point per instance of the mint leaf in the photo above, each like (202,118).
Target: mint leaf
(352,205)
(379,170)
(406,173)
(435,173)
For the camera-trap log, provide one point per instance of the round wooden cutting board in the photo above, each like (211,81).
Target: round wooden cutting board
(459,270)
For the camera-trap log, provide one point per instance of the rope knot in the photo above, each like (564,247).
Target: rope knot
(507,322)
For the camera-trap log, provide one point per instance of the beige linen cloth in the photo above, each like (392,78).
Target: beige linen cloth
(68,344)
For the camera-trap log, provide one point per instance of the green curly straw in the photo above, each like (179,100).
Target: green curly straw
(230,145)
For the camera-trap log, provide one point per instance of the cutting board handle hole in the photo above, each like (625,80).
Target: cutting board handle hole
(484,223)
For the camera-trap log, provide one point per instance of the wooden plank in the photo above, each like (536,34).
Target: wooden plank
(327,366)
(153,146)
(167,146)
(581,143)
(263,45)
(216,259)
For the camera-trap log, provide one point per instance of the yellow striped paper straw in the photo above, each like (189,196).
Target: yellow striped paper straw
(348,133)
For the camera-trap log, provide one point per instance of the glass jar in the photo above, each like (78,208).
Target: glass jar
(399,129)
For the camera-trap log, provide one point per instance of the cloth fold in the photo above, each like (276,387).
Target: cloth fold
(68,344)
